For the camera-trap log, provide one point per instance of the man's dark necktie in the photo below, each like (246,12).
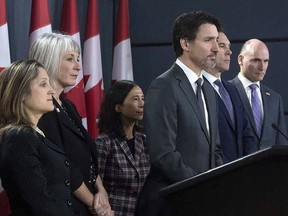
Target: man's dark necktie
(226,99)
(256,108)
(199,96)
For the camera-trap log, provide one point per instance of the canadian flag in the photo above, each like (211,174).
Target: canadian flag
(122,61)
(40,20)
(4,38)
(92,67)
(4,62)
(69,24)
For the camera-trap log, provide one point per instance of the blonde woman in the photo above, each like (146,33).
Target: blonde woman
(59,54)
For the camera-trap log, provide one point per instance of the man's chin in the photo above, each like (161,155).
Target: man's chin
(208,67)
(224,69)
(211,65)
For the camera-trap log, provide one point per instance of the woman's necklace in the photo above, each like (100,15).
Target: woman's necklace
(39,131)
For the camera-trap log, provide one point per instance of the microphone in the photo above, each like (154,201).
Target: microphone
(275,126)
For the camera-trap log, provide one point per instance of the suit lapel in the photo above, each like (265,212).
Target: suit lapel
(51,145)
(134,160)
(223,109)
(65,120)
(266,106)
(139,148)
(246,103)
(223,106)
(191,97)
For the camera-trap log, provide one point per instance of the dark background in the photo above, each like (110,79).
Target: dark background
(150,32)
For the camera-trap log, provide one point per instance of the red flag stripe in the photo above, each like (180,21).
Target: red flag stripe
(69,19)
(40,20)
(92,26)
(122,27)
(94,96)
(3,19)
(40,14)
(92,65)
(122,56)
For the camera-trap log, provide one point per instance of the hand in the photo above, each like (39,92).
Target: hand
(100,205)
(108,213)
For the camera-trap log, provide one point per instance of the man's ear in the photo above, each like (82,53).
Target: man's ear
(240,59)
(184,44)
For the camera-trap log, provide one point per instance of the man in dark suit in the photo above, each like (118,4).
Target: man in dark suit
(263,106)
(182,131)
(234,129)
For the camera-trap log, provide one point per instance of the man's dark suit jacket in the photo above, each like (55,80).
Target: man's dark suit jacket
(273,113)
(178,141)
(235,139)
(35,174)
(78,145)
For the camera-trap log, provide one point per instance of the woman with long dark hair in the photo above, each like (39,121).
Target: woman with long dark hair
(122,154)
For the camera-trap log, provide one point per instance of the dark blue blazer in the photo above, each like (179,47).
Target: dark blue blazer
(235,140)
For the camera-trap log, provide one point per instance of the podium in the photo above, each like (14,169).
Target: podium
(253,185)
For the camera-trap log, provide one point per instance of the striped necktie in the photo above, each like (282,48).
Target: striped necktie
(256,108)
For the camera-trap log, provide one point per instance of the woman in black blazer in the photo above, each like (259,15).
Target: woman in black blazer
(33,169)
(60,55)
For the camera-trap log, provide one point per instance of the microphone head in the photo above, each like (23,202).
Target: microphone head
(275,126)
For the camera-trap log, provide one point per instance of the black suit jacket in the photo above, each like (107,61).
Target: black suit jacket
(273,113)
(77,143)
(35,174)
(178,141)
(235,139)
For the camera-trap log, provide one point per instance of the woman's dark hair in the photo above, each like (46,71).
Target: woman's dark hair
(110,121)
